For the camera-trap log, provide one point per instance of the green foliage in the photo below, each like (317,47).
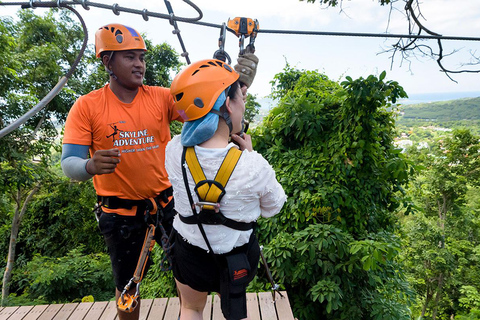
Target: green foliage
(442,241)
(332,245)
(68,278)
(251,107)
(341,278)
(158,283)
(161,60)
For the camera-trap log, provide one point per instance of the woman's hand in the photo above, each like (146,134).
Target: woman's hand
(244,141)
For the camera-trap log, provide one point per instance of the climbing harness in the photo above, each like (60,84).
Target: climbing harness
(244,28)
(236,273)
(152,210)
(127,302)
(210,192)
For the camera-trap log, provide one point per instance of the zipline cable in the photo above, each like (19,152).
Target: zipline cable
(60,84)
(145,14)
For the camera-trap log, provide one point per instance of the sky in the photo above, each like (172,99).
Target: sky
(335,56)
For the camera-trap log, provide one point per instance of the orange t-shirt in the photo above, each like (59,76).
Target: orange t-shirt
(140,130)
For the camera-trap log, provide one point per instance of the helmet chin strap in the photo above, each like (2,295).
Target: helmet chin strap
(110,72)
(226,116)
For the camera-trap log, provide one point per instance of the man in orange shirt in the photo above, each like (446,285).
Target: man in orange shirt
(125,128)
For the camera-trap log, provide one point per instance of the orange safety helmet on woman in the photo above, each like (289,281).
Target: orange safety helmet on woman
(196,88)
(117,37)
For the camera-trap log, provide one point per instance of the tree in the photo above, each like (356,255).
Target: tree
(43,48)
(442,240)
(409,48)
(333,246)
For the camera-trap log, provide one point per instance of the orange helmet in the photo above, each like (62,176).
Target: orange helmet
(117,37)
(196,88)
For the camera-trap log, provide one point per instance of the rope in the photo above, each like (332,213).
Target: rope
(116,9)
(60,84)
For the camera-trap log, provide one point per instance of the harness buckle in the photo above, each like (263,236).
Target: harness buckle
(211,206)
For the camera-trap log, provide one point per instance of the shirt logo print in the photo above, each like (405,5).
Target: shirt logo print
(115,130)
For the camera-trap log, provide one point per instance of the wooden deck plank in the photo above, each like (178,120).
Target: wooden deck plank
(145,306)
(96,310)
(282,304)
(20,313)
(207,311)
(110,312)
(36,312)
(7,312)
(267,307)
(173,309)
(158,308)
(252,306)
(260,306)
(50,312)
(65,312)
(80,311)
(216,309)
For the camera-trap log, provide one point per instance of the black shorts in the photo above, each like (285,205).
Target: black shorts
(201,271)
(124,237)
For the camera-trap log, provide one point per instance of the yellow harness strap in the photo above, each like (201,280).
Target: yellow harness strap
(208,190)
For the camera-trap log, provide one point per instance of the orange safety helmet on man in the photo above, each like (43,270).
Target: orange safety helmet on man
(117,37)
(196,88)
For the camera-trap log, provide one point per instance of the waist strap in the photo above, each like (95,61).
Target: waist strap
(213,218)
(112,202)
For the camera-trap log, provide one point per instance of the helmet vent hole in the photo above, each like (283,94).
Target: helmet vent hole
(179,97)
(195,72)
(211,63)
(198,102)
(219,63)
(204,66)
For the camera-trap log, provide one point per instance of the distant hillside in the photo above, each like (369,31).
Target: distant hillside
(453,110)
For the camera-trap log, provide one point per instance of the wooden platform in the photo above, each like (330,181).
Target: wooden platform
(260,307)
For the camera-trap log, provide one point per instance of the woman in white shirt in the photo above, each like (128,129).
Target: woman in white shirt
(209,255)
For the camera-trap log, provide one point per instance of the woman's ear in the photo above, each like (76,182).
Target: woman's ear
(227,105)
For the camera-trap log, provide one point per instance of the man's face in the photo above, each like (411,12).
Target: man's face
(129,67)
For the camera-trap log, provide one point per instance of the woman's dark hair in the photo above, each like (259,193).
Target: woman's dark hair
(232,92)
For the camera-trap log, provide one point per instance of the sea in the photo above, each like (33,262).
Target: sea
(415,98)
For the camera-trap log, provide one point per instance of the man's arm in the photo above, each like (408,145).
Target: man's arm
(74,161)
(76,166)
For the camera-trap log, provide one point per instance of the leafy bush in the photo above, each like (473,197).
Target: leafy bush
(68,278)
(333,246)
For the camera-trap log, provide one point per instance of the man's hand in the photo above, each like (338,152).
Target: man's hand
(247,68)
(103,162)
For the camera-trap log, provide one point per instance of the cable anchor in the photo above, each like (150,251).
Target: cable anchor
(244,28)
